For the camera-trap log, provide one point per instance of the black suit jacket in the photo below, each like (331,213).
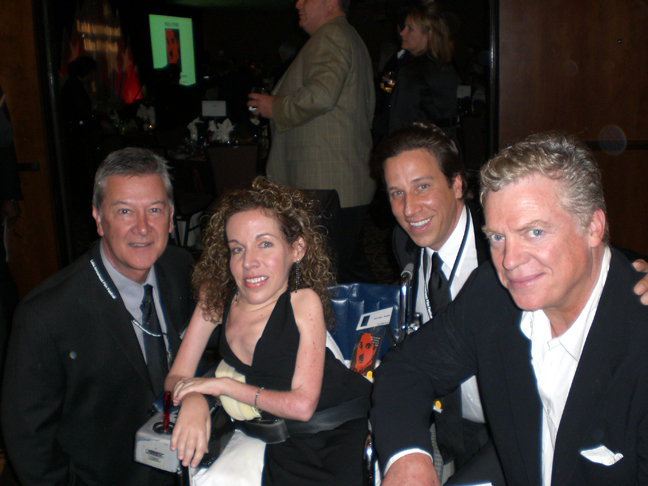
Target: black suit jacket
(479,333)
(463,439)
(76,388)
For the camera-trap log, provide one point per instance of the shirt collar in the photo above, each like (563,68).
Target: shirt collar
(448,251)
(130,291)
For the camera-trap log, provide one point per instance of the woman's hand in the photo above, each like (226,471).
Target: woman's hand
(207,386)
(191,431)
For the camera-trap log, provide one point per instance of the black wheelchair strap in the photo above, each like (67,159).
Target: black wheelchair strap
(278,430)
(270,431)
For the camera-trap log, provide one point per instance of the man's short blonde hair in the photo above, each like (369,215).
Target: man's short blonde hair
(558,157)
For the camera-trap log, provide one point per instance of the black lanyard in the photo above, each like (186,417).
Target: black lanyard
(456,262)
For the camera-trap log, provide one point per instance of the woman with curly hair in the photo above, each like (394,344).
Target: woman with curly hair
(263,276)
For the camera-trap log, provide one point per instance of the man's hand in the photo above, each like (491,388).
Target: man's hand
(641,288)
(262,104)
(412,470)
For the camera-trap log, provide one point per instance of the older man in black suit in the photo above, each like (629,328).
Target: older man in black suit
(552,330)
(90,346)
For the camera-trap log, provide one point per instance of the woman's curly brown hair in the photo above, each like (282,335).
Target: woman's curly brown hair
(295,211)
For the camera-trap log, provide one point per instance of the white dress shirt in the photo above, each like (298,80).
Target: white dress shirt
(554,362)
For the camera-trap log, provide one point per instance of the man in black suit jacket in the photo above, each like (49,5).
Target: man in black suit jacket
(552,330)
(77,385)
(425,182)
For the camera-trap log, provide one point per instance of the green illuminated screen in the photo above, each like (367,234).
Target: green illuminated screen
(172,43)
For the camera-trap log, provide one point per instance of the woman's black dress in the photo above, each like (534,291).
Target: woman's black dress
(331,457)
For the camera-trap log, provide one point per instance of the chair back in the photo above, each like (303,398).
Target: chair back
(233,167)
(362,303)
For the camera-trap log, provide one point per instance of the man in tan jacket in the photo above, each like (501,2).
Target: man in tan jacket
(321,112)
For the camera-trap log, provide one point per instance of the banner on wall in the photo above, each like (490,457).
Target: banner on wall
(97,33)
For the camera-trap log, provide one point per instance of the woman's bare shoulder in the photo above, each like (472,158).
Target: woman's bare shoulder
(306,303)
(303,295)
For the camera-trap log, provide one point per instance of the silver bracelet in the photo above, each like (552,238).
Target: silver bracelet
(256,396)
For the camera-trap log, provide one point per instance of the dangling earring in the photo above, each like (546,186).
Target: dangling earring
(297,274)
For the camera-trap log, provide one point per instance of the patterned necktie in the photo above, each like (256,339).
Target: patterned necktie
(438,288)
(156,360)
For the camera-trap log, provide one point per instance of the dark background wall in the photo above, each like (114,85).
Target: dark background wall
(33,240)
(582,67)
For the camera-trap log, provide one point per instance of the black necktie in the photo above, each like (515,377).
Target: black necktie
(438,289)
(448,423)
(156,360)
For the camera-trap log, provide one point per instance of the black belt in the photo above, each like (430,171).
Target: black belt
(274,431)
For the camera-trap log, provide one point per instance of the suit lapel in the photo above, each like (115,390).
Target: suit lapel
(117,318)
(168,299)
(523,397)
(591,380)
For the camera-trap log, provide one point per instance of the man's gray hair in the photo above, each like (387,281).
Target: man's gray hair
(130,161)
(557,157)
